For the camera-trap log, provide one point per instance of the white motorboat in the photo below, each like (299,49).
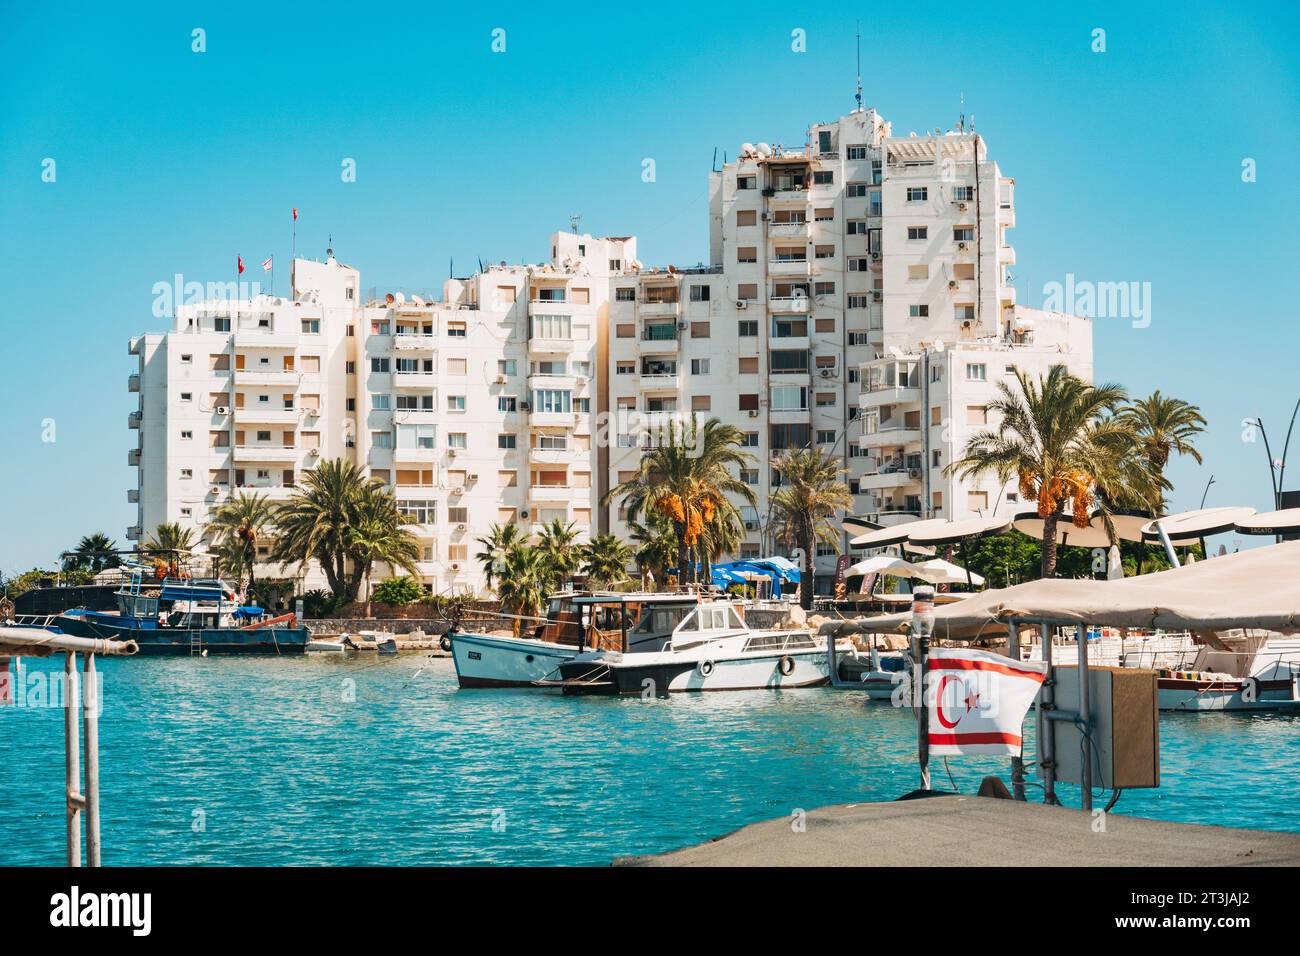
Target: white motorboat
(703,646)
(574,623)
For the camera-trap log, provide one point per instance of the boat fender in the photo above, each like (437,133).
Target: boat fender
(444,642)
(705,668)
(786,665)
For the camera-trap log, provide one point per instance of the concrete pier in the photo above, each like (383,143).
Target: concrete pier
(960,831)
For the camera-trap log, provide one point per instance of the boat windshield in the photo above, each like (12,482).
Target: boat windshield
(662,620)
(720,617)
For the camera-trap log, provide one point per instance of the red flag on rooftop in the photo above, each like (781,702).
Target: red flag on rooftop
(295,213)
(239,261)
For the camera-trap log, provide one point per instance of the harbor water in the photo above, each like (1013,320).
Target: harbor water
(309,761)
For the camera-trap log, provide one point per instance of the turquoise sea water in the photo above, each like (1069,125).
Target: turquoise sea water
(250,761)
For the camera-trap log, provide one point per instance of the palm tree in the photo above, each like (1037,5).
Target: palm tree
(1060,439)
(94,553)
(810,493)
(605,561)
(655,544)
(315,522)
(1164,426)
(169,539)
(689,476)
(499,539)
(557,542)
(378,535)
(524,583)
(235,528)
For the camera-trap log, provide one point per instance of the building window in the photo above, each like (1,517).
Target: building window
(457,440)
(918,311)
(625,295)
(746,182)
(221,323)
(187,473)
(917,194)
(748,403)
(379,365)
(963,193)
(506,441)
(506,367)
(857,152)
(746,253)
(963,233)
(700,293)
(700,366)
(975,372)
(826,436)
(506,403)
(918,232)
(455,403)
(747,328)
(457,330)
(823,177)
(381,402)
(311,326)
(857,227)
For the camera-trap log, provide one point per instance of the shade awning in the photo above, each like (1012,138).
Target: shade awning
(1286,521)
(1258,588)
(1190,525)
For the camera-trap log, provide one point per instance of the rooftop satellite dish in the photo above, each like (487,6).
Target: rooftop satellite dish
(764,149)
(746,149)
(401,299)
(895,351)
(389,298)
(938,345)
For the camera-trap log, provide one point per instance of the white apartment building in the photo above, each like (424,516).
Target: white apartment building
(857,299)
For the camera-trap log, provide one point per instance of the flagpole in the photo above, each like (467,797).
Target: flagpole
(922,627)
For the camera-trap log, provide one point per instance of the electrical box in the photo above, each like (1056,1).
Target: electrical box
(1125,721)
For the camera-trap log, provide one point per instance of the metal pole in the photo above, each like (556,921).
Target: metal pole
(72,758)
(922,628)
(1085,716)
(1169,545)
(90,723)
(1046,702)
(1017,762)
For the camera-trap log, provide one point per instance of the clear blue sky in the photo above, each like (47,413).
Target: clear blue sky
(1128,166)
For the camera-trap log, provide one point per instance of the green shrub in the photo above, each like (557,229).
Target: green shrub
(399,590)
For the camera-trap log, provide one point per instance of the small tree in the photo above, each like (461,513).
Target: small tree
(398,590)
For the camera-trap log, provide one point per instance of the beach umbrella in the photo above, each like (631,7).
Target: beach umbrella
(1286,521)
(885,564)
(1114,564)
(939,571)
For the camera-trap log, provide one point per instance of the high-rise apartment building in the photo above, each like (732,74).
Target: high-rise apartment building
(857,300)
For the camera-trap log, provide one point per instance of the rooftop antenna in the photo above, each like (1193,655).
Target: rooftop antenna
(858,95)
(961,121)
(574,219)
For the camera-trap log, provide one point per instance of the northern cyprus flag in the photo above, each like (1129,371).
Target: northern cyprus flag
(977,701)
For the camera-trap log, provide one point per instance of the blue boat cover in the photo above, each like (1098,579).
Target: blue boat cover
(249,611)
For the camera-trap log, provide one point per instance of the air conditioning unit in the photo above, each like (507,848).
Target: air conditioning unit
(753,413)
(681,326)
(471,478)
(961,206)
(455,565)
(451,453)
(458,491)
(766,216)
(742,304)
(222,410)
(313,453)
(875,257)
(523,513)
(523,406)
(914,472)
(751,525)
(961,246)
(827,372)
(580,380)
(952,283)
(461,528)
(501,380)
(215,490)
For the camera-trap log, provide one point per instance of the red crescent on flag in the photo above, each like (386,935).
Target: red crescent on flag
(938,703)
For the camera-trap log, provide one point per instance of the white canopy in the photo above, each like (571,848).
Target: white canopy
(1190,525)
(1286,521)
(885,564)
(1259,588)
(940,571)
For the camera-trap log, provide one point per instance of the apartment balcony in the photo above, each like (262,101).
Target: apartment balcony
(897,477)
(788,230)
(415,416)
(417,454)
(564,382)
(800,343)
(554,346)
(890,395)
(890,515)
(279,492)
(789,304)
(541,495)
(558,456)
(660,339)
(133,533)
(267,452)
(891,435)
(133,382)
(789,267)
(788,416)
(651,309)
(553,419)
(133,457)
(414,342)
(133,496)
(135,345)
(258,413)
(415,379)
(550,307)
(659,381)
(1007,255)
(268,376)
(265,339)
(133,419)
